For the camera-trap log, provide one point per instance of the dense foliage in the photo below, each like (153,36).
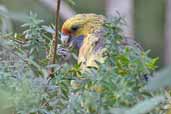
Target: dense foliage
(118,86)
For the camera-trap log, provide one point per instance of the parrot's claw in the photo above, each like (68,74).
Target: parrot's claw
(64,53)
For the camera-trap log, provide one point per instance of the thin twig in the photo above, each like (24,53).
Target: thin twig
(55,39)
(56,28)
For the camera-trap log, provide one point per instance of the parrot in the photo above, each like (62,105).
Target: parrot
(85,33)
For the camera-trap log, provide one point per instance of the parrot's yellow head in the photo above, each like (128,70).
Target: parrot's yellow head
(76,28)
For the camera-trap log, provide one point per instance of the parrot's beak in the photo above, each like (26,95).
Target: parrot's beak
(70,41)
(65,39)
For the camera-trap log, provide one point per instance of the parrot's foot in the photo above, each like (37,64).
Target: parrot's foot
(64,53)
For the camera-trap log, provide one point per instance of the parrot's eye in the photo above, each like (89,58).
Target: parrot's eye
(75,28)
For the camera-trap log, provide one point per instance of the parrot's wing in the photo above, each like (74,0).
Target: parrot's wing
(92,49)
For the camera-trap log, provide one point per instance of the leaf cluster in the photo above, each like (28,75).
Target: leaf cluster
(118,86)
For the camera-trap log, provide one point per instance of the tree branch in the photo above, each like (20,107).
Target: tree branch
(55,41)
